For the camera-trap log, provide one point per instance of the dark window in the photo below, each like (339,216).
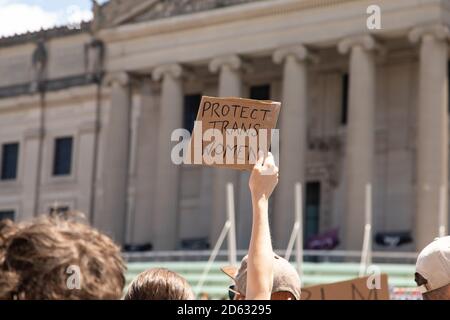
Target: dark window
(191,105)
(62,161)
(261,92)
(58,210)
(10,157)
(344,102)
(7,214)
(448,83)
(312,209)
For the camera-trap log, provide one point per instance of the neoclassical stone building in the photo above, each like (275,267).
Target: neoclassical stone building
(86,116)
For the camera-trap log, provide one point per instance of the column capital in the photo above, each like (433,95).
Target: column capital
(89,127)
(120,77)
(367,42)
(299,52)
(232,61)
(437,31)
(173,69)
(34,133)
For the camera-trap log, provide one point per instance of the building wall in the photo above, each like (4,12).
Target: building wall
(16,63)
(253,32)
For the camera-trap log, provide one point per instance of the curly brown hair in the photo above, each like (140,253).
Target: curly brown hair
(35,258)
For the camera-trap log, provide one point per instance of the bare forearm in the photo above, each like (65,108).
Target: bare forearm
(262,182)
(260,256)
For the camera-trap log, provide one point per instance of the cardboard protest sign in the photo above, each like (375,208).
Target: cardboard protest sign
(229,132)
(355,289)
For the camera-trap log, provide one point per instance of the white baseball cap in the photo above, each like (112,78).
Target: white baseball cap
(433,264)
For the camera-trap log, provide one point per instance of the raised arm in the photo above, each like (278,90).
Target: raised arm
(262,182)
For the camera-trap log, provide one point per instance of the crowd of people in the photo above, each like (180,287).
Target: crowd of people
(62,257)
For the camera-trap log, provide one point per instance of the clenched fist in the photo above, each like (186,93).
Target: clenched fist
(264,177)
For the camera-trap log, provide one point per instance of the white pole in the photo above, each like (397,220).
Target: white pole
(299,222)
(366,255)
(275,146)
(369,215)
(442,212)
(291,243)
(214,253)
(232,235)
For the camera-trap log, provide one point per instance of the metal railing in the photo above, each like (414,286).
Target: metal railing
(309,255)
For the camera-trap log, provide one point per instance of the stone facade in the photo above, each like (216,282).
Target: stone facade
(118,88)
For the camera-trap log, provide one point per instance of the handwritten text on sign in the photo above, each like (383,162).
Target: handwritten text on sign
(230,131)
(355,289)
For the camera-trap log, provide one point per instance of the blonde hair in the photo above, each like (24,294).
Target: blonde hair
(159,284)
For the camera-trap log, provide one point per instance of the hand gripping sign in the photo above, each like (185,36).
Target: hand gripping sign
(229,132)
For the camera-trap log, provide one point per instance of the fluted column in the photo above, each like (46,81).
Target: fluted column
(167,173)
(32,138)
(146,183)
(432,133)
(115,159)
(87,136)
(230,85)
(293,131)
(360,134)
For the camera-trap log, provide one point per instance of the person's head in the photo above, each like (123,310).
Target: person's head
(286,281)
(159,284)
(433,270)
(204,296)
(7,227)
(59,258)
